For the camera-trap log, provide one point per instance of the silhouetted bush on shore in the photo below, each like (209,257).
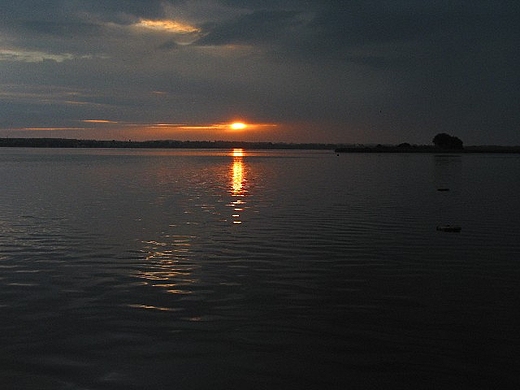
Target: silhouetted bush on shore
(446,141)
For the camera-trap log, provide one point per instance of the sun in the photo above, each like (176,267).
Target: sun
(237,126)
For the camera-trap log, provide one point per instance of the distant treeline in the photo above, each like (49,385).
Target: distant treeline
(172,144)
(165,144)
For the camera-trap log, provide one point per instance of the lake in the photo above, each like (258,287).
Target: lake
(239,269)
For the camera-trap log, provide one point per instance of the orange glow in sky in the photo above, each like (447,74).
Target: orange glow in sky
(99,121)
(237,126)
(116,129)
(233,126)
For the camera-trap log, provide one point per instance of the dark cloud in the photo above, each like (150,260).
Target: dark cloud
(111,8)
(263,26)
(62,29)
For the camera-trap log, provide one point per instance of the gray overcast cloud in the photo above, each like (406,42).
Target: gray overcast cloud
(296,71)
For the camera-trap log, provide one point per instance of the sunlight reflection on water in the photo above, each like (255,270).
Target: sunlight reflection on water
(238,185)
(169,265)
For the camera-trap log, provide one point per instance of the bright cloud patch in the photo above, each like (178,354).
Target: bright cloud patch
(169,26)
(32,56)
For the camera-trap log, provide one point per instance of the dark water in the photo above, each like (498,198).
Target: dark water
(261,270)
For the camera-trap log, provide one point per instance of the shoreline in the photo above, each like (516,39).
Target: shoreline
(175,144)
(429,149)
(154,144)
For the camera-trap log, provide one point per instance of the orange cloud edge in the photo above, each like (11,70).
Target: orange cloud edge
(226,126)
(113,129)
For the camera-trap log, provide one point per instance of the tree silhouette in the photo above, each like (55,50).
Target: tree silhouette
(446,141)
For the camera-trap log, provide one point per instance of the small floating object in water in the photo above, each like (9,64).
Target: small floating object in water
(443,189)
(449,228)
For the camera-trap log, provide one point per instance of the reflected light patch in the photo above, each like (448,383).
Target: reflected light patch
(238,152)
(237,184)
(238,177)
(149,307)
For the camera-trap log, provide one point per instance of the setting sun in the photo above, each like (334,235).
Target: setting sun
(238,126)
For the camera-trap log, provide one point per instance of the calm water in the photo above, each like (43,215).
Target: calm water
(187,269)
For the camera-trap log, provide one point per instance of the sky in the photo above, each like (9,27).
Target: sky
(339,71)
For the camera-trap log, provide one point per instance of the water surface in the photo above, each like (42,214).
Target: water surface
(198,269)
